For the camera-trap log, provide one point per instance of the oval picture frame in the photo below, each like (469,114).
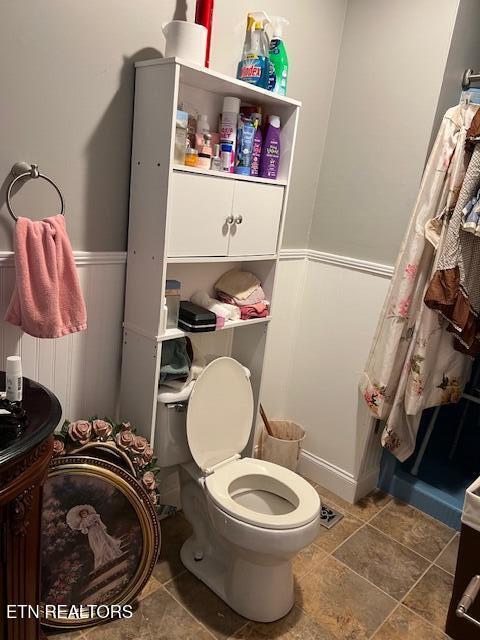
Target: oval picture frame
(100,538)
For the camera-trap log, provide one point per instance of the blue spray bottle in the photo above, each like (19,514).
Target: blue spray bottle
(254,65)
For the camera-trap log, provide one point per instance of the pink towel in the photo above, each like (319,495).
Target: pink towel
(47,301)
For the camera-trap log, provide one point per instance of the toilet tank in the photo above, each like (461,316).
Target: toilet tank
(171,445)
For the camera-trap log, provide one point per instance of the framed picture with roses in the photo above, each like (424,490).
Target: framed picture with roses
(100,532)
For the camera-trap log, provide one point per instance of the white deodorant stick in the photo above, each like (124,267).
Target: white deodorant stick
(14,379)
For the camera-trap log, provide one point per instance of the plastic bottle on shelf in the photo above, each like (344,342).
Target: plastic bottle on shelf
(270,158)
(246,133)
(254,65)
(277,81)
(228,128)
(216,163)
(202,124)
(257,144)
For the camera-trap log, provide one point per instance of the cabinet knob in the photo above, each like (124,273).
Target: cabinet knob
(239,219)
(230,220)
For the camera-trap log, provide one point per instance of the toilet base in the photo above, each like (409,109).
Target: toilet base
(259,592)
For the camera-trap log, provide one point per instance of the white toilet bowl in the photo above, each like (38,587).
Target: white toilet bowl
(249,517)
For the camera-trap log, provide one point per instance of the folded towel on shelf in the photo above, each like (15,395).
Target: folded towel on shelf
(237,283)
(254,298)
(259,310)
(47,301)
(220,309)
(175,363)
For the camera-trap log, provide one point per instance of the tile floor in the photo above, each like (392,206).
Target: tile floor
(385,572)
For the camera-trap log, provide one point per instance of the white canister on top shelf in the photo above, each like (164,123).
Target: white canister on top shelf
(186,40)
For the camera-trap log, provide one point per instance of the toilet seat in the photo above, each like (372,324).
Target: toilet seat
(259,477)
(219,413)
(219,423)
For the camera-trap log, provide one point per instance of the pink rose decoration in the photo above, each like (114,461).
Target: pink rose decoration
(153,497)
(148,454)
(126,426)
(410,271)
(58,447)
(102,428)
(148,481)
(80,431)
(403,307)
(140,444)
(125,439)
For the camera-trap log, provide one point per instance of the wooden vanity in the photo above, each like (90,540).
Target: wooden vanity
(24,460)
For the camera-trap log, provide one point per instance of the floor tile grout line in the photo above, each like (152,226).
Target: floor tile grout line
(442,552)
(402,600)
(191,614)
(432,564)
(367,580)
(244,626)
(380,510)
(402,544)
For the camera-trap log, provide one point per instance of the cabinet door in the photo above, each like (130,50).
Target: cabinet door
(256,210)
(198,210)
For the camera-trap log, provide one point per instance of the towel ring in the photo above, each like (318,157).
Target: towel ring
(23,170)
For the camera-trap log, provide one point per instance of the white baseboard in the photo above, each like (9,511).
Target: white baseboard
(328,475)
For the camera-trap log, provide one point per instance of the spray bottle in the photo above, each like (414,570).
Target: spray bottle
(277,81)
(254,65)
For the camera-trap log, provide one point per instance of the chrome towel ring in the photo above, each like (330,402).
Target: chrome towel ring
(21,170)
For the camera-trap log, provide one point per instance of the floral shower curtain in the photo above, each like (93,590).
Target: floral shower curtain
(412,363)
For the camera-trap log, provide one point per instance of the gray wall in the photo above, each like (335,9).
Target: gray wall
(66,71)
(390,73)
(464,54)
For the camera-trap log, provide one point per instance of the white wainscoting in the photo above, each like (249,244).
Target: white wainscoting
(82,369)
(323,331)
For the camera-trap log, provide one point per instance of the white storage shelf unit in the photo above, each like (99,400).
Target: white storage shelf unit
(193,225)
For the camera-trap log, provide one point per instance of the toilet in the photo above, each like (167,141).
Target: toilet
(249,517)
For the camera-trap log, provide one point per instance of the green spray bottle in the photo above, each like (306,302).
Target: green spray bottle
(278,57)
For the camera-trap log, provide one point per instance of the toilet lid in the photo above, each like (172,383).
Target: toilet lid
(220,413)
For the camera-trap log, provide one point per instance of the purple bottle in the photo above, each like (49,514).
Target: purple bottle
(270,158)
(257,145)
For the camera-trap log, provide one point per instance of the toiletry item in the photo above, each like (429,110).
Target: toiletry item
(180,136)
(196,319)
(253,67)
(216,162)
(191,157)
(191,128)
(270,158)
(14,380)
(202,124)
(228,128)
(172,303)
(205,152)
(246,134)
(257,144)
(204,16)
(203,161)
(226,156)
(278,58)
(164,320)
(199,140)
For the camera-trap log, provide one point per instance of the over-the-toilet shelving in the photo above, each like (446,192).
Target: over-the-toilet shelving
(193,224)
(229,324)
(227,176)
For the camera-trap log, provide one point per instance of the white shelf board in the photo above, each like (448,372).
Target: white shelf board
(227,175)
(209,80)
(203,259)
(170,334)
